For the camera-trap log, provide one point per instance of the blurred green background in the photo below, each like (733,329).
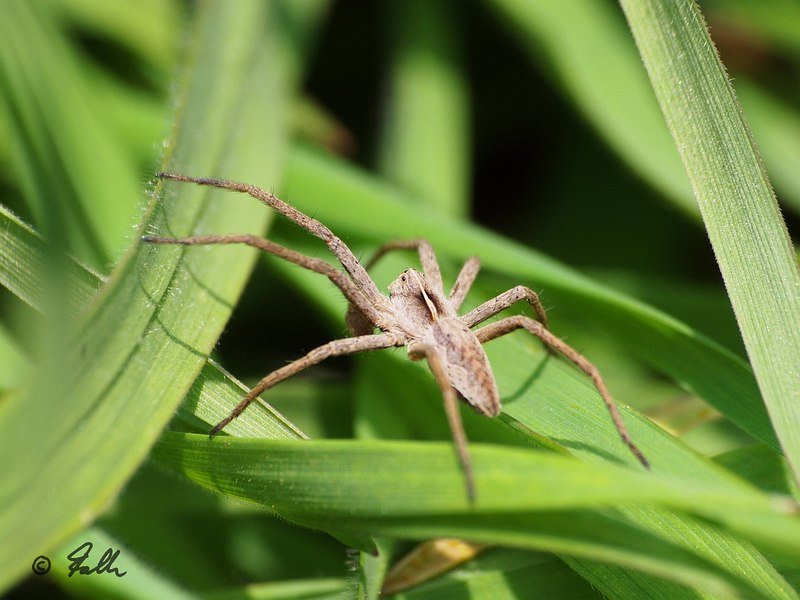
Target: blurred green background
(546,137)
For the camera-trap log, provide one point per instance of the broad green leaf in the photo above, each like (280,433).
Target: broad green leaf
(739,209)
(140,348)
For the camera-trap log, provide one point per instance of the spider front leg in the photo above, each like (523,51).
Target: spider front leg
(464,280)
(348,287)
(345,256)
(427,259)
(509,324)
(331,349)
(430,266)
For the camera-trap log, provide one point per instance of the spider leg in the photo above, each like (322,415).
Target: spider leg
(451,409)
(427,258)
(314,227)
(335,348)
(466,277)
(355,295)
(502,302)
(509,324)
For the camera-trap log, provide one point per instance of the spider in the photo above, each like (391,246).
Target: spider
(416,314)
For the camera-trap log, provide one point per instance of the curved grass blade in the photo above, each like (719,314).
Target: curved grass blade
(212,393)
(425,141)
(57,138)
(526,499)
(140,349)
(587,48)
(740,212)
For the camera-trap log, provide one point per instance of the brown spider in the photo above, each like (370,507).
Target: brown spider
(416,314)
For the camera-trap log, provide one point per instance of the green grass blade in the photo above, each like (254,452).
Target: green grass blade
(140,349)
(214,391)
(525,498)
(58,139)
(23,270)
(425,141)
(310,589)
(740,212)
(589,52)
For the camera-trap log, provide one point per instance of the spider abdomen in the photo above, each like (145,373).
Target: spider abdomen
(466,364)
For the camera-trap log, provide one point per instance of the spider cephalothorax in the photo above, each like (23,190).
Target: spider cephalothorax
(416,314)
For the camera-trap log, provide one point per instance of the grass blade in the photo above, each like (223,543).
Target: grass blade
(57,138)
(212,393)
(425,142)
(129,374)
(587,48)
(525,498)
(739,210)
